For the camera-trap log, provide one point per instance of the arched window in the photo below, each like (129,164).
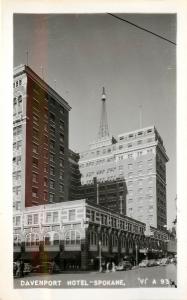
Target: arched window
(47,239)
(93,238)
(104,240)
(56,239)
(72,237)
(123,242)
(32,239)
(114,241)
(17,240)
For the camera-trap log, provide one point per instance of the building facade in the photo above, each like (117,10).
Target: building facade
(40,141)
(111,194)
(73,234)
(139,158)
(74,176)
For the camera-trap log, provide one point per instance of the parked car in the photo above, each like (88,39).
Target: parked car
(152,263)
(164,261)
(46,267)
(124,266)
(27,268)
(143,263)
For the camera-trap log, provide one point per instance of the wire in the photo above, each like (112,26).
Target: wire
(144,29)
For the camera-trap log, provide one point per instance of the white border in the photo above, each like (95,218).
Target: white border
(57,6)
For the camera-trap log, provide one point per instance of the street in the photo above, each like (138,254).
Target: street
(158,276)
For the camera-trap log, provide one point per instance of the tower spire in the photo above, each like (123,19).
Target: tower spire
(103,128)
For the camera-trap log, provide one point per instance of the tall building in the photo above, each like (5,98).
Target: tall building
(74,176)
(40,141)
(138,157)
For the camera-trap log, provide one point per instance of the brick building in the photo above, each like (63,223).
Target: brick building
(40,141)
(71,233)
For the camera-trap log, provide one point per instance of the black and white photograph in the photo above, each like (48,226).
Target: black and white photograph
(94,151)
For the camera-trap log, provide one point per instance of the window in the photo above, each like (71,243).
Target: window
(114,241)
(19,130)
(35,162)
(62,125)
(19,145)
(35,148)
(139,142)
(52,117)
(35,219)
(104,240)
(71,215)
(35,133)
(56,239)
(61,188)
(45,181)
(61,162)
(34,177)
(45,196)
(93,238)
(52,184)
(140,153)
(130,155)
(61,138)
(18,221)
(35,119)
(140,133)
(62,110)
(130,174)
(130,166)
(48,217)
(72,237)
(55,217)
(29,219)
(52,157)
(150,162)
(130,183)
(51,197)
(61,150)
(47,239)
(45,168)
(52,171)
(34,192)
(52,145)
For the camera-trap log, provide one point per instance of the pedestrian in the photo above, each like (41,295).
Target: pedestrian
(21,268)
(18,271)
(107,267)
(113,267)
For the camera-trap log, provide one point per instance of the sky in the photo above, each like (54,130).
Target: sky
(79,54)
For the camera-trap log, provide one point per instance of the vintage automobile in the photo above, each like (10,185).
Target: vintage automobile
(123,266)
(143,263)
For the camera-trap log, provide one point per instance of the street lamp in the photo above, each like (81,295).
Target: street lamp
(100,257)
(136,246)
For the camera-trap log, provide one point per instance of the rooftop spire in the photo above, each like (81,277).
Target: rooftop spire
(103,129)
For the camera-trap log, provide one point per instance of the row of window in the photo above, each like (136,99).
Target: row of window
(112,221)
(135,135)
(120,157)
